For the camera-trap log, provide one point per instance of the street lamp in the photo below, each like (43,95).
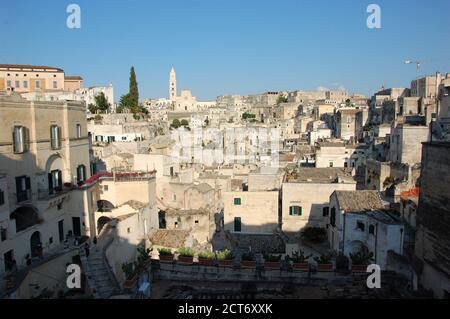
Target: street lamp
(418,64)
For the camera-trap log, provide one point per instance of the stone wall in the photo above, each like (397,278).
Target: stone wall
(433,218)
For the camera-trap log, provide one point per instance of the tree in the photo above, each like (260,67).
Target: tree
(125,101)
(184,122)
(92,108)
(134,92)
(101,102)
(176,123)
(282,99)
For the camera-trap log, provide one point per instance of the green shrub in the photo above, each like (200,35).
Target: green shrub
(185,252)
(224,255)
(272,258)
(248,256)
(363,257)
(299,257)
(206,255)
(165,252)
(324,259)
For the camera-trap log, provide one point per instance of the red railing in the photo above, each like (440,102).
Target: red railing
(118,176)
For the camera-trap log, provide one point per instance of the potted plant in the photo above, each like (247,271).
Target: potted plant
(300,260)
(272,261)
(324,263)
(248,260)
(206,258)
(361,259)
(165,255)
(130,275)
(185,255)
(225,258)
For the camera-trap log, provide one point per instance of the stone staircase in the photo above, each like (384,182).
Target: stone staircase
(100,278)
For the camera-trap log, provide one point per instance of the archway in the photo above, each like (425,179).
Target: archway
(102,221)
(35,244)
(104,206)
(356,246)
(25,216)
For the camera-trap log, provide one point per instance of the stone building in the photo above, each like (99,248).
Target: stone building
(358,220)
(44,154)
(433,220)
(306,193)
(251,212)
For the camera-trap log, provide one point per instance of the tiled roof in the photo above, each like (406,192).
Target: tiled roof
(359,201)
(73,77)
(34,68)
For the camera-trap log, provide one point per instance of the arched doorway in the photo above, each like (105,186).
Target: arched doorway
(104,206)
(35,244)
(25,216)
(102,221)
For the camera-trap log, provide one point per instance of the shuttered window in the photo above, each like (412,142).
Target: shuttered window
(21,139)
(55,137)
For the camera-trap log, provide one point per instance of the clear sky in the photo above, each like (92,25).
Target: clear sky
(230,46)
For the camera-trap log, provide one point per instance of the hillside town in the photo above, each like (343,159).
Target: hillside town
(280,194)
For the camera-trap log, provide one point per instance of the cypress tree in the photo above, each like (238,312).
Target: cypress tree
(134,93)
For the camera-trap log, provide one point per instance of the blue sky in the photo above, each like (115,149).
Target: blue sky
(230,46)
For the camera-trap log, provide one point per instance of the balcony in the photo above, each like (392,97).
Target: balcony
(24,196)
(46,194)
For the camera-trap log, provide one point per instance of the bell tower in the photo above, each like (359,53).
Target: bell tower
(172,85)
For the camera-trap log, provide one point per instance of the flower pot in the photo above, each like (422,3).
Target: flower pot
(226,263)
(166,258)
(359,268)
(205,262)
(188,260)
(325,267)
(272,265)
(248,264)
(301,266)
(130,283)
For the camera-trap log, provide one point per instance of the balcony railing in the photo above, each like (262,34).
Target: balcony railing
(24,196)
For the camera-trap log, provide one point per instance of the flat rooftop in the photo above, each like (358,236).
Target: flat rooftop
(319,175)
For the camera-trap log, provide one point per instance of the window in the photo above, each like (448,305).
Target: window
(8,83)
(2,197)
(59,206)
(50,240)
(55,137)
(174,197)
(78,130)
(325,211)
(295,211)
(128,230)
(23,188)
(237,201)
(54,181)
(331,164)
(360,225)
(55,84)
(372,229)
(105,188)
(25,84)
(3,234)
(237,224)
(20,139)
(17,84)
(81,173)
(37,84)
(333,217)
